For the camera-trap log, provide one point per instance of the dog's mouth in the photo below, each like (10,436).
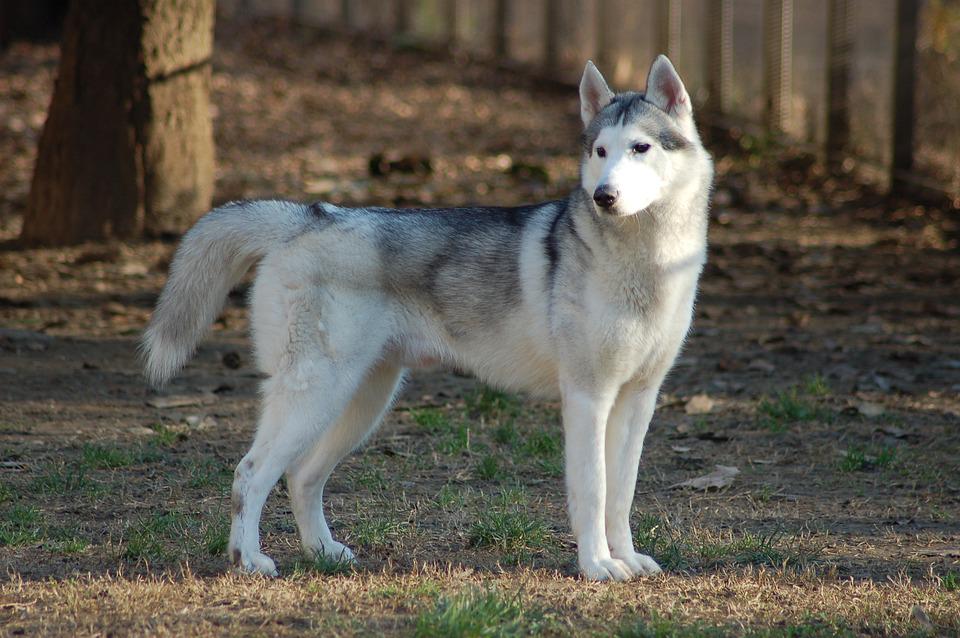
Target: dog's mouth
(616,211)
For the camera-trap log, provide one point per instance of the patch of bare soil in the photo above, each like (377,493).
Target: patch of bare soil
(824,365)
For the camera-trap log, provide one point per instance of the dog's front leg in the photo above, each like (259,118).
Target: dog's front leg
(585,414)
(626,429)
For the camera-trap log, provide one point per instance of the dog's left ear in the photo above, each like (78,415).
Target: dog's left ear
(665,90)
(594,93)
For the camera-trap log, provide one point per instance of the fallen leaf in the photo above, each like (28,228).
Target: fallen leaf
(721,477)
(134,269)
(891,430)
(699,404)
(870,410)
(180,401)
(762,365)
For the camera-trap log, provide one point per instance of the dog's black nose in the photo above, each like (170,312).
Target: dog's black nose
(605,196)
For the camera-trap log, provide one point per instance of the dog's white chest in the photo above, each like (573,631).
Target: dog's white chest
(640,332)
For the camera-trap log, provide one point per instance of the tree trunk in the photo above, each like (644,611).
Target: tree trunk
(127,148)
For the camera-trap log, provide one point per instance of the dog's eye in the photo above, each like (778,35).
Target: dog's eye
(640,148)
(601,152)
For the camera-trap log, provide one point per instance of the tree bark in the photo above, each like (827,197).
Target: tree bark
(127,148)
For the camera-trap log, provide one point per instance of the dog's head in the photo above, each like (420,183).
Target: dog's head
(635,144)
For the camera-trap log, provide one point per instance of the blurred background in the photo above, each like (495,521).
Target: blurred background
(861,90)
(831,75)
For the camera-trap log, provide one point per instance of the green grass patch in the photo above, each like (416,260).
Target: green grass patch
(950,581)
(816,386)
(433,420)
(656,538)
(491,404)
(175,535)
(860,459)
(454,435)
(510,496)
(749,549)
(165,436)
(475,613)
(542,448)
(378,531)
(21,526)
(488,468)
(372,479)
(542,444)
(214,536)
(147,538)
(6,493)
(791,406)
(101,457)
(450,496)
(322,564)
(208,473)
(676,550)
(61,477)
(457,441)
(512,531)
(506,433)
(73,545)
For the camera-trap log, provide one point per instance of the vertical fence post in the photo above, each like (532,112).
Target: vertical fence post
(551,35)
(719,51)
(450,20)
(500,18)
(904,88)
(668,29)
(346,18)
(401,24)
(604,41)
(839,60)
(778,63)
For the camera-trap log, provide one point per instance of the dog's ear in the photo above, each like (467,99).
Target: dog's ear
(665,90)
(594,93)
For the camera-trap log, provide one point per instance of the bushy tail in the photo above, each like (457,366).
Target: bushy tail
(211,259)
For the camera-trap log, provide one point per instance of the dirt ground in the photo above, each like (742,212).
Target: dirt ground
(824,365)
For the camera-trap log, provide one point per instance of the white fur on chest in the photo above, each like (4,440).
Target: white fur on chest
(634,326)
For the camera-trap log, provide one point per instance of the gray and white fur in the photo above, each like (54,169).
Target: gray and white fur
(587,299)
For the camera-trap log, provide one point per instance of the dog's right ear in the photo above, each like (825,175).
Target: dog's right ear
(594,93)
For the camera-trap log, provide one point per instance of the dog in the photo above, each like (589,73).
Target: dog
(588,299)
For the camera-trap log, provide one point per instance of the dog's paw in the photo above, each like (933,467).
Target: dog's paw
(605,569)
(256,563)
(640,564)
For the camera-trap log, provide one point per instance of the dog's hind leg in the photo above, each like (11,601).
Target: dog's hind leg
(626,429)
(299,404)
(306,477)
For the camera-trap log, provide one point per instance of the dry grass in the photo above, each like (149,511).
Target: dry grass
(756,599)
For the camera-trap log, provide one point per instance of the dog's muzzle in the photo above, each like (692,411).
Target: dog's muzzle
(605,196)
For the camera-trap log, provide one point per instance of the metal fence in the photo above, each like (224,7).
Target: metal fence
(868,84)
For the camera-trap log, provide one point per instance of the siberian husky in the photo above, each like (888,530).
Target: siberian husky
(587,299)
